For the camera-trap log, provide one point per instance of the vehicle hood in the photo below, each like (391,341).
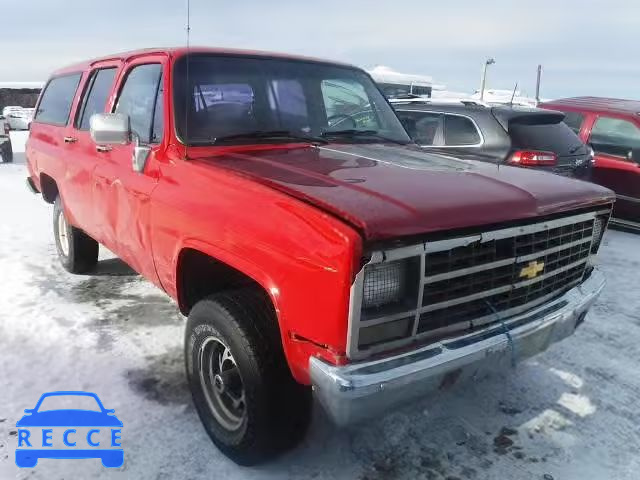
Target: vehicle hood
(389,191)
(70,418)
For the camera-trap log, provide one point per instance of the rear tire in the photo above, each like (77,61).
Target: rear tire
(241,385)
(77,251)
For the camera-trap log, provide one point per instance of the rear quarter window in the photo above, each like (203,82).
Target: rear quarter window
(460,131)
(57,98)
(550,137)
(574,120)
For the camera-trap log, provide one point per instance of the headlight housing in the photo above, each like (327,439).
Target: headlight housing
(384,283)
(388,288)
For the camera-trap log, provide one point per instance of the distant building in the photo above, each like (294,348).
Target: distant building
(395,83)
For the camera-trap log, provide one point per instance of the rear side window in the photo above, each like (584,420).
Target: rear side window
(574,120)
(138,99)
(549,137)
(460,131)
(95,97)
(57,98)
(425,128)
(614,136)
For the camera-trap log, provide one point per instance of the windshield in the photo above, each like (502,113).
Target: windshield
(64,402)
(237,97)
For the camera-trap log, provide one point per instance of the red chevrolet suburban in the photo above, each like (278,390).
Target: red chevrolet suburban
(612,127)
(282,205)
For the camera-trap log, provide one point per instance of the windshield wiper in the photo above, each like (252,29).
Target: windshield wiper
(268,135)
(353,133)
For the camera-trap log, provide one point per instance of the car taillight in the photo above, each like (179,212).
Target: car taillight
(532,158)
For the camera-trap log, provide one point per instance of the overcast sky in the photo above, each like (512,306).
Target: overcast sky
(587,47)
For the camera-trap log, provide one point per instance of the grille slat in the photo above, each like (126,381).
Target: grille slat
(454,294)
(452,285)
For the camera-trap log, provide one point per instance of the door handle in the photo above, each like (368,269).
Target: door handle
(70,140)
(103,148)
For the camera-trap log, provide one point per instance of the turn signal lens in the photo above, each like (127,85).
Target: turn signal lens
(385,332)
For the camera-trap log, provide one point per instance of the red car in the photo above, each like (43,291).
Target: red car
(308,243)
(612,127)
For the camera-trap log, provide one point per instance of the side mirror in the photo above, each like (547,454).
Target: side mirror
(634,155)
(29,410)
(110,128)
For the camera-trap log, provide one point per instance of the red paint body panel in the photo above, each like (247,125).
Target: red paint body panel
(294,218)
(390,191)
(619,174)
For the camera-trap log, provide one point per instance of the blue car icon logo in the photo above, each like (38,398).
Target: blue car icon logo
(43,430)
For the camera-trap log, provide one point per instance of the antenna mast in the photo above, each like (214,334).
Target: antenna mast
(188,87)
(513,94)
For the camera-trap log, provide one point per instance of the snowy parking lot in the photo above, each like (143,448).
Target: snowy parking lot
(570,413)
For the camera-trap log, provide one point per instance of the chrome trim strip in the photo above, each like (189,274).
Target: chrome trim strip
(627,198)
(441,245)
(469,270)
(501,263)
(526,283)
(506,288)
(537,227)
(371,322)
(544,253)
(624,223)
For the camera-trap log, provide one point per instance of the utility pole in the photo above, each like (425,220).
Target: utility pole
(483,81)
(538,85)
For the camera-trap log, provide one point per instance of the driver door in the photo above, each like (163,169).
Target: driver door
(121,194)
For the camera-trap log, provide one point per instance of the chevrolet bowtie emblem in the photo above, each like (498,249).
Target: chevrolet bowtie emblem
(532,270)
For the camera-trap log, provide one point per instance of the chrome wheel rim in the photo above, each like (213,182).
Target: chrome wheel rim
(222,384)
(63,234)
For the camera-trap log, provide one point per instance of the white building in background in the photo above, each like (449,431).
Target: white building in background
(496,96)
(395,83)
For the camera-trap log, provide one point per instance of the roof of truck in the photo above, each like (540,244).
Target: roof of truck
(179,51)
(598,104)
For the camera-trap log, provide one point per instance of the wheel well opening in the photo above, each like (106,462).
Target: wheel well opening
(200,275)
(49,188)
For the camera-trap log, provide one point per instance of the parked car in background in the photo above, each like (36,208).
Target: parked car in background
(611,127)
(19,118)
(281,203)
(519,136)
(9,109)
(6,150)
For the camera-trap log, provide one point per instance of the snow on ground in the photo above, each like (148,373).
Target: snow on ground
(571,413)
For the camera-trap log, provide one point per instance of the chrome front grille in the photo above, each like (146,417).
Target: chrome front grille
(459,284)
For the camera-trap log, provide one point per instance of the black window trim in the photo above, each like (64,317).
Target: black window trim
(126,71)
(73,99)
(93,74)
(444,127)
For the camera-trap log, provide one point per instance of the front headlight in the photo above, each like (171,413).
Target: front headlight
(384,283)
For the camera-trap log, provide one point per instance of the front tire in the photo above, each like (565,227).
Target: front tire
(241,385)
(77,251)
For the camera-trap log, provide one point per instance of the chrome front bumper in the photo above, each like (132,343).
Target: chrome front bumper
(363,389)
